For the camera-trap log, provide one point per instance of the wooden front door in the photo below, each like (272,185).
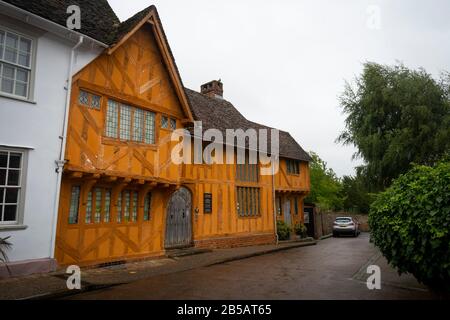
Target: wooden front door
(179,222)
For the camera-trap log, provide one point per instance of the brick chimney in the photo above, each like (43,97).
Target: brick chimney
(213,89)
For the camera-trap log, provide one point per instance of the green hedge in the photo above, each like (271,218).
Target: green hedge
(410,223)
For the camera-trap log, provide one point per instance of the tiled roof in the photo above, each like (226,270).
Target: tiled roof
(220,114)
(98,20)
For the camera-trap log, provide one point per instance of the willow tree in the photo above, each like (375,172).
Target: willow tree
(395,117)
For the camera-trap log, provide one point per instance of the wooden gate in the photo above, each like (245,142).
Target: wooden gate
(179,221)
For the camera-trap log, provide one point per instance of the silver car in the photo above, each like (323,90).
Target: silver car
(345,225)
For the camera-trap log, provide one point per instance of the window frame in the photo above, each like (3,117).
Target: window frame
(90,96)
(248,197)
(32,67)
(247,173)
(208,196)
(123,216)
(293,167)
(20,211)
(147,207)
(118,130)
(78,203)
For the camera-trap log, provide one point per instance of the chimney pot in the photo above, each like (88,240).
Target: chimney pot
(213,89)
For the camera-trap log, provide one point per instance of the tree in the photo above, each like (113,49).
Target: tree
(395,117)
(325,186)
(355,194)
(410,223)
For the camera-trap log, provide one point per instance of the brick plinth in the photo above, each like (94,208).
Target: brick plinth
(235,241)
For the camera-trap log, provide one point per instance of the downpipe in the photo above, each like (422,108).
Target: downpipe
(62,150)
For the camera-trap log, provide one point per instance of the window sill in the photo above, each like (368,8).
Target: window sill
(13,227)
(250,217)
(122,143)
(7,96)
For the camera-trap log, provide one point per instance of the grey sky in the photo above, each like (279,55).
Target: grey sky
(284,63)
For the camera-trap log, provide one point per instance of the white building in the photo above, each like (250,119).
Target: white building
(38,56)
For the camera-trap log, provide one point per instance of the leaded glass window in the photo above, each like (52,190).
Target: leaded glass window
(125,122)
(98,205)
(138,125)
(95,101)
(135,206)
(112,119)
(126,208)
(149,127)
(119,208)
(107,213)
(88,218)
(83,98)
(132,124)
(164,122)
(74,205)
(173,124)
(147,206)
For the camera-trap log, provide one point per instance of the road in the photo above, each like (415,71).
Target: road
(333,269)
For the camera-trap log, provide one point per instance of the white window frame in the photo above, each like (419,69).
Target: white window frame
(32,68)
(22,192)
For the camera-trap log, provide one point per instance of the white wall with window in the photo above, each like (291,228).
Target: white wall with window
(34,67)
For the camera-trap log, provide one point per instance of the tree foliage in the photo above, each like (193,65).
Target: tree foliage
(355,194)
(325,185)
(396,116)
(410,223)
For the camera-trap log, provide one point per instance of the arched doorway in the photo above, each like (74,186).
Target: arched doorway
(178,220)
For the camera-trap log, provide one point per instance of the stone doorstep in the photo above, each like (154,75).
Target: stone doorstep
(123,275)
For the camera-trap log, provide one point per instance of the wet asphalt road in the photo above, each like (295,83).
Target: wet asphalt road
(333,269)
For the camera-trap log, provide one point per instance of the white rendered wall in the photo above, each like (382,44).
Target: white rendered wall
(38,125)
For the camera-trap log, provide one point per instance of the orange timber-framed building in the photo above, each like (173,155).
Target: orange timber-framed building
(123,198)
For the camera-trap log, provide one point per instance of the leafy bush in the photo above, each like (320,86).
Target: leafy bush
(283,230)
(5,245)
(410,223)
(300,230)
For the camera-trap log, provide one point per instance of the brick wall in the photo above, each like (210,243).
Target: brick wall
(236,241)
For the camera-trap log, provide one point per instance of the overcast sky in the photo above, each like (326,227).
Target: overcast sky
(284,63)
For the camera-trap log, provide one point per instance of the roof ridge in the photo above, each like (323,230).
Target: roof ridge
(220,113)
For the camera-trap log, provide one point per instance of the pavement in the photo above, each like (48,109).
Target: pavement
(335,268)
(53,285)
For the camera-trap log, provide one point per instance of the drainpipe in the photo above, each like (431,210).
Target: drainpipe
(274,202)
(62,150)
